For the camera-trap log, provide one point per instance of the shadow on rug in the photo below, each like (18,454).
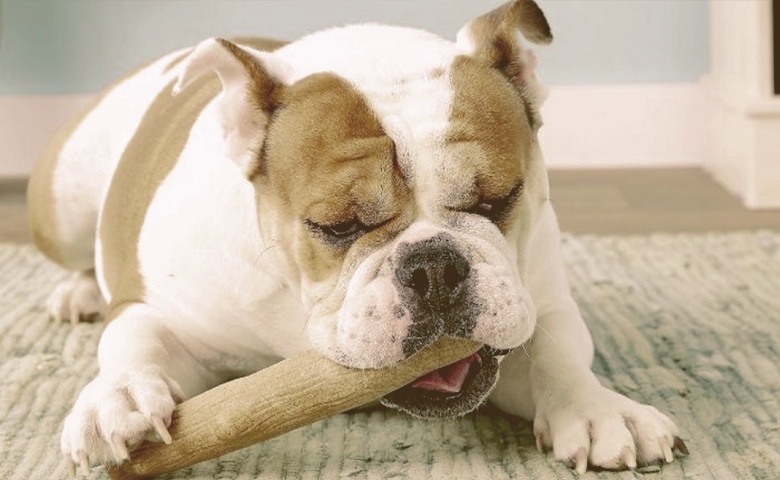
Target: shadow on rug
(687,323)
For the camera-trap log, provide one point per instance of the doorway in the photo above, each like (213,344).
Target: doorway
(776,43)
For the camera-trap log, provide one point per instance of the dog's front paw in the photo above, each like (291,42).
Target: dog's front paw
(77,298)
(606,430)
(114,414)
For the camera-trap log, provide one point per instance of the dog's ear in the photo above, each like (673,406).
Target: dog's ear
(493,38)
(249,94)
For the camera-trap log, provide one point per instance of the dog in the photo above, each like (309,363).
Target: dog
(362,191)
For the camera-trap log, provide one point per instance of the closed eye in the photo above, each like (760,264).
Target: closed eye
(338,234)
(342,234)
(495,208)
(343,230)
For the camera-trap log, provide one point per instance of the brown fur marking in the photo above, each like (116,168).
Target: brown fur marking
(488,135)
(149,157)
(42,214)
(329,161)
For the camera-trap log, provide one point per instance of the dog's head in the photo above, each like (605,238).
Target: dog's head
(394,174)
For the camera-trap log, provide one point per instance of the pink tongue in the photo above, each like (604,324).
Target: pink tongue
(448,379)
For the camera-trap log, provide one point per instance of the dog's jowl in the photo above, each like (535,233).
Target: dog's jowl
(362,191)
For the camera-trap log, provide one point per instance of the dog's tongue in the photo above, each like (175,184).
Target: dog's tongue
(450,378)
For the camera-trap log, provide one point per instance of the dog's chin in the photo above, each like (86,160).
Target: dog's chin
(452,391)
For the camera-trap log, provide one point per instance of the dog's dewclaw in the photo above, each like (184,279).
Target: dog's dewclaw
(288,395)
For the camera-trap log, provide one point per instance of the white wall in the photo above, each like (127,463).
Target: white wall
(623,72)
(77,46)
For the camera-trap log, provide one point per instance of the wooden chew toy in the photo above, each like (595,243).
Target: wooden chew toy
(290,394)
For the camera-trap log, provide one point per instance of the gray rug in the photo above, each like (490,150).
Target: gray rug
(688,323)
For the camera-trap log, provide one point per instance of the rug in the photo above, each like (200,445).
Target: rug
(688,323)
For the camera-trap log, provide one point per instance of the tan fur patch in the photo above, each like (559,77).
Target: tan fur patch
(148,159)
(43,223)
(262,44)
(495,31)
(329,161)
(41,200)
(489,135)
(176,61)
(262,89)
(42,220)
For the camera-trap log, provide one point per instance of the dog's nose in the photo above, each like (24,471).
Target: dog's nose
(434,270)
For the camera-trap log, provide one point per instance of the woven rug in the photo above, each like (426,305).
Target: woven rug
(688,323)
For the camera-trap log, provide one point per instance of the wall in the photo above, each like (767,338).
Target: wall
(71,48)
(744,109)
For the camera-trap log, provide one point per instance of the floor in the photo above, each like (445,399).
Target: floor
(635,201)
(650,200)
(13,211)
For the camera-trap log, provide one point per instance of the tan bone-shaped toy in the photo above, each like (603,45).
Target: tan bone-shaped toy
(288,395)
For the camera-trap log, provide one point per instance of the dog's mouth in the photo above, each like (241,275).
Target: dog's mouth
(451,391)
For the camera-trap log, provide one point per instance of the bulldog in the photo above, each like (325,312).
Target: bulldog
(362,191)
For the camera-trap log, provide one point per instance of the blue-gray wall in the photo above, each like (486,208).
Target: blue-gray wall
(77,46)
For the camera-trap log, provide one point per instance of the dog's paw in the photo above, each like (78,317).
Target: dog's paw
(605,430)
(76,298)
(114,415)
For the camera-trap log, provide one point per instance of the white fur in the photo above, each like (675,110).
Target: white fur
(87,160)
(237,124)
(76,299)
(392,67)
(248,294)
(404,74)
(351,336)
(209,317)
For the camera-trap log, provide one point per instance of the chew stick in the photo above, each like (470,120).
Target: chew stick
(278,399)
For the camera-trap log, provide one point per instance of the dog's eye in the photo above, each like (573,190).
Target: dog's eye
(338,234)
(485,209)
(343,230)
(493,209)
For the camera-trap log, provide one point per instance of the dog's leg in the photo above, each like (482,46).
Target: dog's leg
(145,369)
(63,197)
(549,381)
(63,219)
(582,422)
(77,298)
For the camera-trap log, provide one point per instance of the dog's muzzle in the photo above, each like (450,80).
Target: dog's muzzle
(452,391)
(433,277)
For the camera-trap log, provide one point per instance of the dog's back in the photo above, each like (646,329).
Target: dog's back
(72,176)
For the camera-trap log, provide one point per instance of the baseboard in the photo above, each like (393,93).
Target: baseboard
(585,126)
(622,126)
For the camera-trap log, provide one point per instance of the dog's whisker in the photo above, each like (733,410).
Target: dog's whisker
(266,249)
(549,335)
(525,351)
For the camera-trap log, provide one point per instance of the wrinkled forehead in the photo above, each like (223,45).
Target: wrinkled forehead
(458,127)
